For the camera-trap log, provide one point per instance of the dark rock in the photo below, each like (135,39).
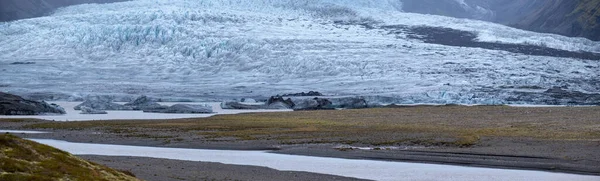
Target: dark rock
(311,94)
(102,103)
(22,63)
(15,105)
(313,104)
(87,110)
(183,109)
(277,102)
(144,103)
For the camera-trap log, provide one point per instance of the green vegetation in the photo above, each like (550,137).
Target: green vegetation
(27,160)
(456,126)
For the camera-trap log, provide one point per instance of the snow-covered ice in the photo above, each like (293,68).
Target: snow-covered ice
(202,49)
(365,169)
(74,115)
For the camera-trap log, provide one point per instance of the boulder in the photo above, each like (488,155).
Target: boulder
(313,104)
(102,103)
(143,103)
(15,105)
(183,109)
(87,110)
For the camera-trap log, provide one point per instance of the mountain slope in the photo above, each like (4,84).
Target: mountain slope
(566,17)
(21,9)
(27,160)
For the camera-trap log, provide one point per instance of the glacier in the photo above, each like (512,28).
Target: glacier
(212,50)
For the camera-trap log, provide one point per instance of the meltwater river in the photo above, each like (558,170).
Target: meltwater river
(364,169)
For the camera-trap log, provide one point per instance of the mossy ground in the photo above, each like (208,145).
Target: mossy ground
(456,126)
(24,160)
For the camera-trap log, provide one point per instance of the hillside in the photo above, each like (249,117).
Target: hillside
(566,17)
(27,160)
(576,18)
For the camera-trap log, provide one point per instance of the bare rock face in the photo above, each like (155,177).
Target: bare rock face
(183,109)
(15,105)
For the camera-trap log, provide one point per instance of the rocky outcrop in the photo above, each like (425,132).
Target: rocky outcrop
(15,105)
(102,103)
(144,103)
(183,109)
(87,110)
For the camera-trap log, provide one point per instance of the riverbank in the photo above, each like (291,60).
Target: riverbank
(155,169)
(557,139)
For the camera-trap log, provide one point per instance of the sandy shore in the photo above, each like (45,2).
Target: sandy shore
(549,139)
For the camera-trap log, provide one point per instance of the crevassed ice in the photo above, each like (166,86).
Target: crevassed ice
(195,48)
